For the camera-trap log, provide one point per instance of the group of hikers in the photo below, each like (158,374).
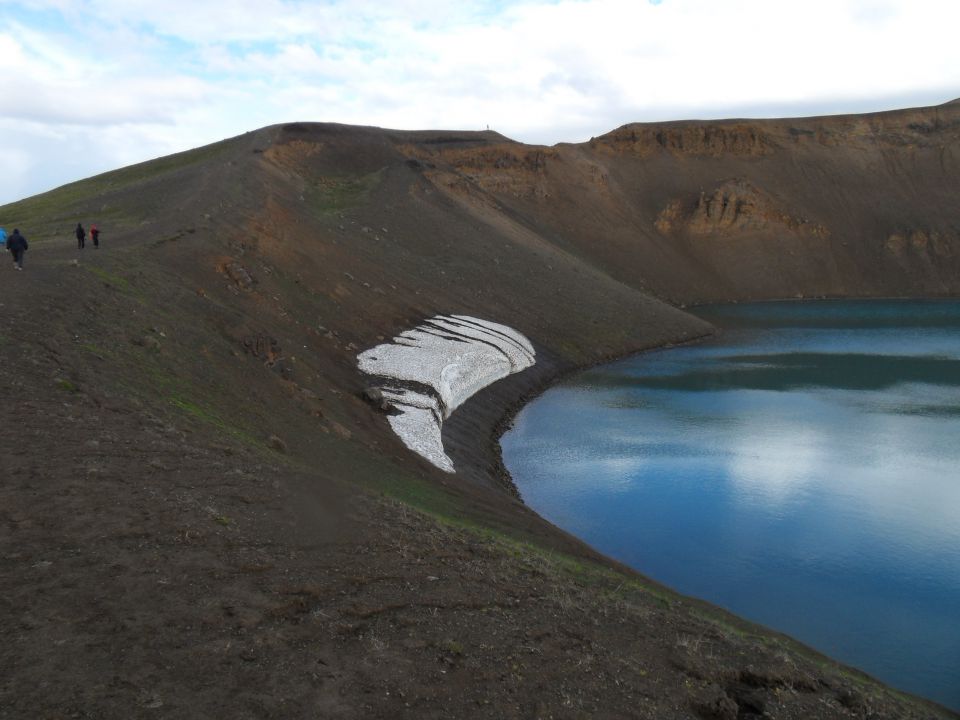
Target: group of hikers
(82,236)
(17,243)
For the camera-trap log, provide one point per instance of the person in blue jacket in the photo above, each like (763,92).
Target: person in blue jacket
(17,245)
(3,237)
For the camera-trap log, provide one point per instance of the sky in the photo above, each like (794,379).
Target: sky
(91,85)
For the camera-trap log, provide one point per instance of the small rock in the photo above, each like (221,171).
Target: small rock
(715,704)
(152,702)
(239,274)
(851,699)
(277,444)
(341,431)
(148,341)
(374,396)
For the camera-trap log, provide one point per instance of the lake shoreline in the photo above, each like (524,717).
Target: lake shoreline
(525,391)
(792,335)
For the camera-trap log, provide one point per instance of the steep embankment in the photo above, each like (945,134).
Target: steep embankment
(192,488)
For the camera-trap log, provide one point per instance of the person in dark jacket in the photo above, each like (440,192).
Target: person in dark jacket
(95,235)
(81,237)
(17,245)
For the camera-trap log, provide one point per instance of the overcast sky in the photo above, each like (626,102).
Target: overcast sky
(91,85)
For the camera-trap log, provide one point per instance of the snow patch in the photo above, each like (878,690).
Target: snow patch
(428,372)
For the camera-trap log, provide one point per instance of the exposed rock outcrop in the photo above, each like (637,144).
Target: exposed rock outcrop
(735,206)
(238,274)
(509,168)
(932,242)
(713,139)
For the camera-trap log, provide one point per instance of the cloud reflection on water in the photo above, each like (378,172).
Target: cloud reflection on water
(788,475)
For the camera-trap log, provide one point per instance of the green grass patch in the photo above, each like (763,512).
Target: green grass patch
(329,195)
(721,621)
(109,278)
(98,351)
(65,384)
(452,647)
(434,501)
(208,417)
(424,496)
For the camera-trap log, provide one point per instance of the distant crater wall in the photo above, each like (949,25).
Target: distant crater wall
(846,206)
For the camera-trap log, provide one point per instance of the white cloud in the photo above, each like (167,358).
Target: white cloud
(44,82)
(860,467)
(771,468)
(540,71)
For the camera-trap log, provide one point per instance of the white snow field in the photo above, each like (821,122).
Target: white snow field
(428,372)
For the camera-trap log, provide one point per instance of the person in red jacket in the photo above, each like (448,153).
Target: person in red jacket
(95,235)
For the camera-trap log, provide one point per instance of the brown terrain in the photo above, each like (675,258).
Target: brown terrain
(200,516)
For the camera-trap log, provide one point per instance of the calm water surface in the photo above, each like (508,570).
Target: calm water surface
(802,470)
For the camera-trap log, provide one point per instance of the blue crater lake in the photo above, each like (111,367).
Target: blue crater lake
(802,469)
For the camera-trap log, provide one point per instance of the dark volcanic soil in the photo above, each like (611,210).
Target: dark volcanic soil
(199,516)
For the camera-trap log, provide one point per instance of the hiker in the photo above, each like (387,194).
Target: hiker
(17,245)
(3,237)
(81,237)
(95,235)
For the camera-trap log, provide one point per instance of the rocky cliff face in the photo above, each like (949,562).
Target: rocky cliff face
(733,207)
(686,139)
(508,168)
(695,211)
